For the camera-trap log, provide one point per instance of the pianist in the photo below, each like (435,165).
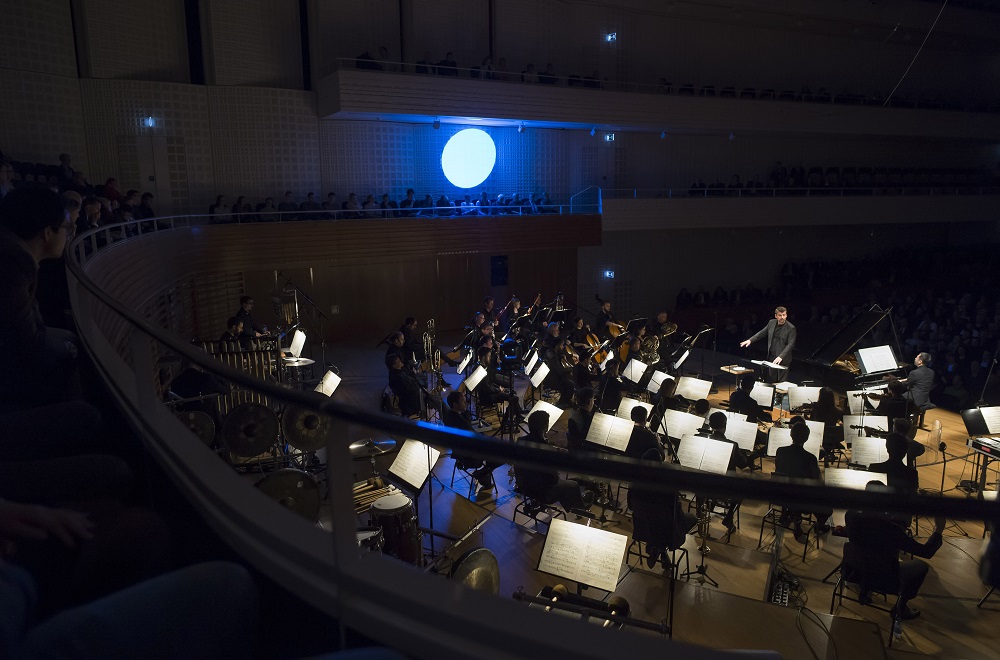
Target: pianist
(919,382)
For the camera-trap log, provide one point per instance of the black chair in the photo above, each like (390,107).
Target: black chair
(785,517)
(470,472)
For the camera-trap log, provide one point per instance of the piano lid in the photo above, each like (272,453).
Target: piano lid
(841,341)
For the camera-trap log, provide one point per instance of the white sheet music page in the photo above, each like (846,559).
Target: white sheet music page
(845,478)
(763,395)
(691,450)
(329,384)
(476,377)
(656,382)
(876,358)
(784,386)
(879,422)
(778,437)
(991,415)
(464,363)
(412,463)
(544,406)
(815,441)
(865,451)
(627,404)
(588,555)
(621,432)
(716,456)
(634,370)
(540,374)
(531,362)
(742,432)
(692,389)
(799,396)
(298,343)
(600,429)
(677,424)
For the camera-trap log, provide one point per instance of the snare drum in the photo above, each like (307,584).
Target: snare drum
(394,514)
(370,539)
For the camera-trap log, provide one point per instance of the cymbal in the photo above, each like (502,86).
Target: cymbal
(293,489)
(305,429)
(371,447)
(297,362)
(250,430)
(478,569)
(200,424)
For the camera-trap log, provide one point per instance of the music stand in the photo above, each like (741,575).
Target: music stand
(707,455)
(579,553)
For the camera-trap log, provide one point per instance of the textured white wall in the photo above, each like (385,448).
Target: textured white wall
(37,35)
(136,40)
(255,42)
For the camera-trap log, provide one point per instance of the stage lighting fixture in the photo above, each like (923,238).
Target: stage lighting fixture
(468,157)
(437,124)
(593,131)
(609,274)
(611,37)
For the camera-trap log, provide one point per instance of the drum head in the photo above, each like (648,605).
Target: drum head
(305,429)
(478,569)
(389,504)
(370,538)
(199,423)
(250,430)
(293,489)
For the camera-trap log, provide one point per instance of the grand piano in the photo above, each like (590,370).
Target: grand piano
(832,361)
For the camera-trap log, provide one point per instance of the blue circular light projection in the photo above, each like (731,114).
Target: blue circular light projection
(468,157)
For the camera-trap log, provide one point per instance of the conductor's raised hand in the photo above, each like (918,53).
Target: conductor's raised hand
(744,344)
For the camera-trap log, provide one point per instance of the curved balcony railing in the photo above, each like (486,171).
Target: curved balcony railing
(805,191)
(375,595)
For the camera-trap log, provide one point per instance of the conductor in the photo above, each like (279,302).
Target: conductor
(780,341)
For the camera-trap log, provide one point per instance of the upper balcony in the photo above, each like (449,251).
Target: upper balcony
(395,92)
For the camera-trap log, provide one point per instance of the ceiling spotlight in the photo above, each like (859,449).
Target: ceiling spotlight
(437,124)
(663,134)
(611,37)
(520,128)
(593,131)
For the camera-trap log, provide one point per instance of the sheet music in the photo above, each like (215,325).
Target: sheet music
(766,363)
(784,386)
(799,396)
(876,358)
(476,377)
(692,389)
(540,374)
(464,363)
(412,464)
(742,432)
(856,403)
(602,365)
(298,343)
(763,395)
(626,406)
(865,451)
(634,370)
(610,431)
(544,406)
(880,422)
(705,454)
(657,380)
(329,384)
(677,424)
(856,479)
(991,415)
(782,437)
(815,441)
(587,555)
(531,362)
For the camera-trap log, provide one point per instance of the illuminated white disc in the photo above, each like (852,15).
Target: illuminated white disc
(468,157)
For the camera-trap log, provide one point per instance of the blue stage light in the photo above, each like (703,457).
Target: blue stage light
(468,157)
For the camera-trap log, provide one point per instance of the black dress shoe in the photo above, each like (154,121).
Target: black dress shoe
(908,613)
(650,559)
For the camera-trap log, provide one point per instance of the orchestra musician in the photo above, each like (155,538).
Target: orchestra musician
(742,403)
(457,416)
(579,419)
(643,443)
(605,320)
(900,476)
(546,486)
(578,336)
(871,559)
(397,346)
(251,331)
(918,382)
(794,461)
(558,355)
(489,314)
(412,340)
(737,460)
(894,405)
(404,385)
(609,389)
(478,319)
(780,335)
(825,410)
(490,391)
(234,327)
(512,314)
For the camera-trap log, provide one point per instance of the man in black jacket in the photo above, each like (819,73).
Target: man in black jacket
(794,461)
(780,335)
(546,486)
(456,416)
(643,442)
(899,475)
(919,381)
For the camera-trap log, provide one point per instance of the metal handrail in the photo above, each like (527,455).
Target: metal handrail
(888,190)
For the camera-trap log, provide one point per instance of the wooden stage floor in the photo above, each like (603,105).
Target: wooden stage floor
(734,615)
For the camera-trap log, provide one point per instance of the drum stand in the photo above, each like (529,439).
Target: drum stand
(704,519)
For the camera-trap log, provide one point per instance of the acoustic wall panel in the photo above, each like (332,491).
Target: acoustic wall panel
(37,35)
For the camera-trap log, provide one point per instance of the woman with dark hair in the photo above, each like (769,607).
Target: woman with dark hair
(825,410)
